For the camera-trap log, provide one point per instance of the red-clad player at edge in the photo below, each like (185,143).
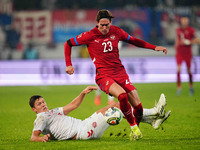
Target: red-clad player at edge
(183,46)
(111,77)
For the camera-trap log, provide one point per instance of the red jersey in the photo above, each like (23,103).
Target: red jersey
(103,49)
(182,34)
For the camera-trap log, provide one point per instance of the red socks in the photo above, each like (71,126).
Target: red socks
(190,79)
(178,79)
(138,113)
(126,108)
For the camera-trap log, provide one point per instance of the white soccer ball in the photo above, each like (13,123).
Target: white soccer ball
(113,116)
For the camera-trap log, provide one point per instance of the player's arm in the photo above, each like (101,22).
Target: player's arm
(37,138)
(78,100)
(140,43)
(76,41)
(67,50)
(143,44)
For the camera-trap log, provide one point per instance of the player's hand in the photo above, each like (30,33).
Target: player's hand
(69,70)
(45,138)
(89,89)
(185,42)
(160,48)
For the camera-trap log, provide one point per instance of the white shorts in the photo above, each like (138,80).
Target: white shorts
(92,127)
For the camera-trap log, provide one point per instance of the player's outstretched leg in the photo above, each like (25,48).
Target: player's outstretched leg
(160,106)
(110,99)
(97,99)
(157,122)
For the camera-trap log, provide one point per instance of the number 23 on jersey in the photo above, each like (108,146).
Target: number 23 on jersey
(107,46)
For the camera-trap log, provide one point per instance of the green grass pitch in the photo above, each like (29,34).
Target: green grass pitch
(180,131)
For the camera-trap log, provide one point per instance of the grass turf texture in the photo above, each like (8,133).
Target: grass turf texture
(180,131)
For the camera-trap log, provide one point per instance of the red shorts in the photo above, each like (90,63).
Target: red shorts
(105,83)
(187,59)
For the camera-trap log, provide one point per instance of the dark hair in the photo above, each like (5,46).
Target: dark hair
(184,16)
(104,14)
(33,99)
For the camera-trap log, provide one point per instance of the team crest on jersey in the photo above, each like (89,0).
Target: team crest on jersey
(112,37)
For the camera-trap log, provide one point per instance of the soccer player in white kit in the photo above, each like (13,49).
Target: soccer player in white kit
(55,125)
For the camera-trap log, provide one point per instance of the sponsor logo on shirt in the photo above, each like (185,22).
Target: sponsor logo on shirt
(96,41)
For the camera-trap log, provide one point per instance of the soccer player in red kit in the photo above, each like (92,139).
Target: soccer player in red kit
(111,77)
(183,45)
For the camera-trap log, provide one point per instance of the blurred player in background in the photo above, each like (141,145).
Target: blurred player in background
(111,77)
(55,124)
(183,46)
(97,99)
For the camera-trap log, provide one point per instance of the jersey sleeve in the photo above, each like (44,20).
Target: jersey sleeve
(140,43)
(124,36)
(137,42)
(40,123)
(83,38)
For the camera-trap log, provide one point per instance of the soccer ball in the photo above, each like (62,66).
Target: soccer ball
(113,116)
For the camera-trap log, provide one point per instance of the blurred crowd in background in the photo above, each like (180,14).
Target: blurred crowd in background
(37,28)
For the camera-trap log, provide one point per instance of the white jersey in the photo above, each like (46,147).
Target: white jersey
(58,125)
